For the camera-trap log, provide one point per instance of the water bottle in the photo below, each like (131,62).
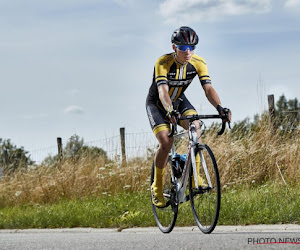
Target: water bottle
(176,165)
(182,161)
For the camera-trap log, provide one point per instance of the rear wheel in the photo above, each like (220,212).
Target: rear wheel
(166,217)
(206,199)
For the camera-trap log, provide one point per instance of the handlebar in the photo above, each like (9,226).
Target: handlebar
(192,118)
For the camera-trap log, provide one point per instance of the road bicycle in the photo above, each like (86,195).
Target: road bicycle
(179,186)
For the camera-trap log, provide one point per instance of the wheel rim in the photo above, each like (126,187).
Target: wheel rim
(166,217)
(206,201)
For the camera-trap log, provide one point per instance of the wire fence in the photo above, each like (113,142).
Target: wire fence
(136,145)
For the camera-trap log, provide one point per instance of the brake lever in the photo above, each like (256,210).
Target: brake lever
(173,130)
(226,115)
(224,124)
(174,126)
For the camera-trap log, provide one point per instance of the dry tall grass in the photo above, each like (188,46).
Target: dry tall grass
(260,156)
(73,180)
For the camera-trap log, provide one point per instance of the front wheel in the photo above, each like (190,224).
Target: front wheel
(206,198)
(166,217)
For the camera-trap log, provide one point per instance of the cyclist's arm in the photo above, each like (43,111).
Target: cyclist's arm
(161,69)
(163,91)
(211,95)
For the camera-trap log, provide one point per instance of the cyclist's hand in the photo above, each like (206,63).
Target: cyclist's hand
(173,115)
(224,112)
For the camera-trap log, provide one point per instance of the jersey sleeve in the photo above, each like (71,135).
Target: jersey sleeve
(201,68)
(161,69)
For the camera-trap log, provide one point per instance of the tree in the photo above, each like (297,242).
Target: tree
(287,113)
(73,146)
(13,157)
(75,149)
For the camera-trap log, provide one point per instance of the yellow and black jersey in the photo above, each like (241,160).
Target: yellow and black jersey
(168,70)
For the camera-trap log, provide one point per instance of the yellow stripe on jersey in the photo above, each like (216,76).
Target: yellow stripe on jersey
(180,74)
(171,91)
(204,78)
(178,93)
(159,78)
(160,128)
(177,72)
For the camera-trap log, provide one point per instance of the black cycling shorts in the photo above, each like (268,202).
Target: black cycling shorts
(157,114)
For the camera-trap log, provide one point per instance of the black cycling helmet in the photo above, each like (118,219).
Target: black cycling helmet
(184,36)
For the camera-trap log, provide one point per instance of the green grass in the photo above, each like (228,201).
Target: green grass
(265,204)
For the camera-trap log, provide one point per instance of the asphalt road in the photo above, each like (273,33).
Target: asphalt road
(224,237)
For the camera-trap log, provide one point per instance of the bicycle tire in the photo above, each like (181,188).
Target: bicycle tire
(206,201)
(165,218)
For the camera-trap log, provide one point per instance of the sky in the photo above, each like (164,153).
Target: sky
(85,66)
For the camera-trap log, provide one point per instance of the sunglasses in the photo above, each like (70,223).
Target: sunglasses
(185,47)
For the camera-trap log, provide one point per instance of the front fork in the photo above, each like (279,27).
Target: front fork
(193,160)
(204,166)
(194,150)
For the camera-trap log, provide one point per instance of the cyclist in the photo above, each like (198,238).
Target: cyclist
(173,73)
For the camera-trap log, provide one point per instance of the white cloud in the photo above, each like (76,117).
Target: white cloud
(202,10)
(73,109)
(292,4)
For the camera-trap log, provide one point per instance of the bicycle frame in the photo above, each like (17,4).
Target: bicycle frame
(181,183)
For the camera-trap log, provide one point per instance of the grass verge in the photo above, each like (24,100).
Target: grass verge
(264,204)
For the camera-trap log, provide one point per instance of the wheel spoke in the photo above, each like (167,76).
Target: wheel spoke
(205,201)
(166,217)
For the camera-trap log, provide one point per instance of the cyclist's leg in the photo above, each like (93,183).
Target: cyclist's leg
(160,129)
(186,108)
(160,161)
(165,145)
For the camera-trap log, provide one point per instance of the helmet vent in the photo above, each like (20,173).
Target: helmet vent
(185,39)
(192,37)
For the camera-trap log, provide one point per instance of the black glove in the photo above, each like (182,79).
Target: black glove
(223,111)
(172,113)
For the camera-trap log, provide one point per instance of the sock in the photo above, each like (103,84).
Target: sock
(158,177)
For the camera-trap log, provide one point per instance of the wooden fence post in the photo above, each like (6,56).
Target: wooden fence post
(122,136)
(60,152)
(271,103)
